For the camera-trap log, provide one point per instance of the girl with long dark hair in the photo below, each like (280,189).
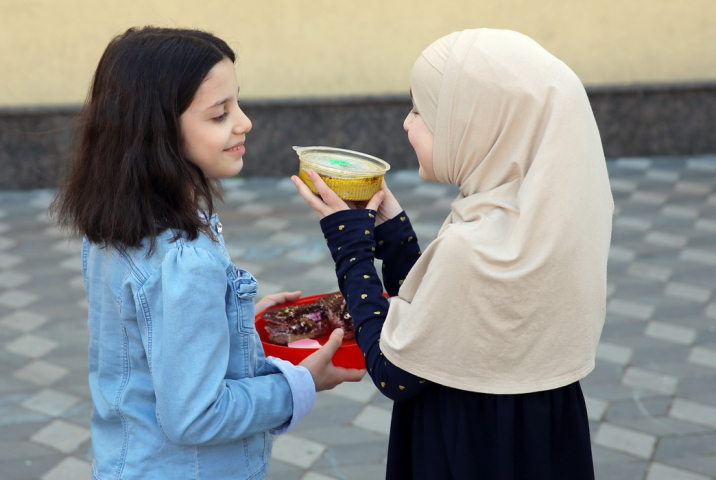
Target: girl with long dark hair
(180,384)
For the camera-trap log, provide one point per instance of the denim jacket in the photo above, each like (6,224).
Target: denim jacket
(180,385)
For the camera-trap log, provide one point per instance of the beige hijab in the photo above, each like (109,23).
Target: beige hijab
(510,297)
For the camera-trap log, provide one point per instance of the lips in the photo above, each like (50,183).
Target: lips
(239,147)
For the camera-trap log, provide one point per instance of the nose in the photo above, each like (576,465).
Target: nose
(242,124)
(408,120)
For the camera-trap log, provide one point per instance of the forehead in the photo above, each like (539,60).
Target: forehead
(219,84)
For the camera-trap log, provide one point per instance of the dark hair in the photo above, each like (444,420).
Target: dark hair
(128,177)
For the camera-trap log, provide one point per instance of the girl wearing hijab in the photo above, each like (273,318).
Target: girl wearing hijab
(489,330)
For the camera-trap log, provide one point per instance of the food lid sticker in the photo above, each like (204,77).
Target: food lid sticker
(339,162)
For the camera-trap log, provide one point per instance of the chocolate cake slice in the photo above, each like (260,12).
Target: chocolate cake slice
(288,324)
(336,309)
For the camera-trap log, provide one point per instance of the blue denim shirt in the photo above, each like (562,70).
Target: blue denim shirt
(180,385)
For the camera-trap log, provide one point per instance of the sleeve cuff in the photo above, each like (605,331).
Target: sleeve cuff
(303,391)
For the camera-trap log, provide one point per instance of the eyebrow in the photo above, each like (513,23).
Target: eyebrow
(219,103)
(222,102)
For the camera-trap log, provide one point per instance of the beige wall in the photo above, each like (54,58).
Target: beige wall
(299,48)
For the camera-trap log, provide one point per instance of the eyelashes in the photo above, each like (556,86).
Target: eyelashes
(223,116)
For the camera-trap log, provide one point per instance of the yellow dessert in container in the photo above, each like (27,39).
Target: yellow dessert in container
(354,176)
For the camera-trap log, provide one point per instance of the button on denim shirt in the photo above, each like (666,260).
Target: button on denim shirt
(180,385)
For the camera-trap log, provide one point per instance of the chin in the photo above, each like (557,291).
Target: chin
(238,167)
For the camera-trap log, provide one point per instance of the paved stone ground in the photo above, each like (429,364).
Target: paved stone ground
(651,398)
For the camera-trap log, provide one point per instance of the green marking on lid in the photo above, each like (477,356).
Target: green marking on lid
(339,162)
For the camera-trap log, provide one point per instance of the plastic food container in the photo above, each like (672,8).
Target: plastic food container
(348,354)
(354,176)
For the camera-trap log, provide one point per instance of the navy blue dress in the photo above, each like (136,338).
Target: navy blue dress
(438,432)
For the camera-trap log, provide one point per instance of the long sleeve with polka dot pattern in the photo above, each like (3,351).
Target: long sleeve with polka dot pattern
(351,240)
(397,245)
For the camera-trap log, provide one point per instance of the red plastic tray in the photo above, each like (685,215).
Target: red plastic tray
(348,354)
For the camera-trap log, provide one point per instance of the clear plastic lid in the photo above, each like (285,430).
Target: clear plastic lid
(344,163)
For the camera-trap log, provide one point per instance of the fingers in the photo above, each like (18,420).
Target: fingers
(329,196)
(334,342)
(384,187)
(291,296)
(376,200)
(313,201)
(351,374)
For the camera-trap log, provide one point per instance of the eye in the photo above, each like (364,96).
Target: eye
(220,118)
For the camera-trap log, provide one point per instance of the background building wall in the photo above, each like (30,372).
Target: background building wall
(319,48)
(336,72)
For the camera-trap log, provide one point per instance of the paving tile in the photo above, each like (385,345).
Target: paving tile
(633,163)
(665,239)
(665,217)
(660,471)
(614,353)
(367,471)
(330,411)
(670,333)
(62,436)
(18,298)
(672,448)
(630,309)
(687,292)
(29,469)
(73,263)
(638,408)
(650,198)
(433,190)
(680,211)
(692,188)
(625,440)
(621,185)
(271,224)
(296,451)
(595,407)
(343,435)
(281,471)
(704,164)
(255,209)
(31,346)
(373,419)
(604,372)
(632,223)
(640,378)
(69,467)
(361,391)
(50,402)
(693,412)
(620,254)
(316,476)
(651,272)
(698,256)
(8,260)
(706,225)
(697,387)
(24,321)
(612,392)
(13,279)
(703,356)
(606,456)
(661,175)
(634,470)
(705,465)
(660,426)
